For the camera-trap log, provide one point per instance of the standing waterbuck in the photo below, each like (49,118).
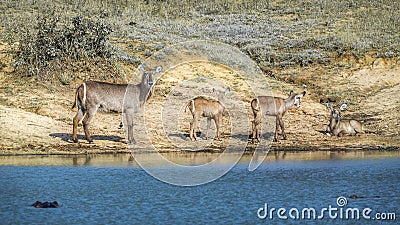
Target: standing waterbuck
(94,95)
(339,127)
(207,107)
(272,106)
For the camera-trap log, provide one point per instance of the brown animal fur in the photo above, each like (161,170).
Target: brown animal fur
(272,106)
(94,95)
(340,127)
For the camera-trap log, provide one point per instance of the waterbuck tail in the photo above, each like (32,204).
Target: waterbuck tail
(84,94)
(77,100)
(255,104)
(190,106)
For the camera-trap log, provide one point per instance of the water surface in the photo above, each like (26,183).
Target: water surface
(109,189)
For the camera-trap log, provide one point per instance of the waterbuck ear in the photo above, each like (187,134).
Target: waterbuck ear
(329,106)
(343,106)
(140,67)
(304,93)
(159,68)
(291,92)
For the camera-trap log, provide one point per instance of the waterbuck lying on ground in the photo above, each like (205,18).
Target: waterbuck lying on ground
(339,127)
(94,95)
(272,106)
(207,107)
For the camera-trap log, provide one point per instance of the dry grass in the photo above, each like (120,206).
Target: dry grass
(275,34)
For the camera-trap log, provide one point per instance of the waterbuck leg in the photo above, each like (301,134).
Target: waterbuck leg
(129,113)
(282,128)
(192,131)
(196,126)
(208,127)
(78,117)
(341,134)
(257,127)
(131,139)
(218,122)
(253,131)
(359,131)
(256,131)
(86,121)
(276,130)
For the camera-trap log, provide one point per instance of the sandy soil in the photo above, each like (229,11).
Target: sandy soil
(36,118)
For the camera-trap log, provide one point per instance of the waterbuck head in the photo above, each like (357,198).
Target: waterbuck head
(297,98)
(147,78)
(221,94)
(147,82)
(334,112)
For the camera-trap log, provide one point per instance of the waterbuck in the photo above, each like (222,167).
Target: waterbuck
(272,106)
(339,127)
(207,107)
(95,95)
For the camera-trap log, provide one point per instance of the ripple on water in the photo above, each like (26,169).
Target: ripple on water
(104,194)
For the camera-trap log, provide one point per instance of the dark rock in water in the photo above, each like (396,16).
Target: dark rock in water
(39,204)
(355,196)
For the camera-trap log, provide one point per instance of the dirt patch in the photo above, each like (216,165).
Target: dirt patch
(36,118)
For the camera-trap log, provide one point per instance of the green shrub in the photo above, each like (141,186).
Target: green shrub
(63,41)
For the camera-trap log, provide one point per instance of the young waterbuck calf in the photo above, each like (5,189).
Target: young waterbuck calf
(206,107)
(272,106)
(339,127)
(94,95)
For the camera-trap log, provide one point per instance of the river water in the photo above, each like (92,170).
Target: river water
(113,189)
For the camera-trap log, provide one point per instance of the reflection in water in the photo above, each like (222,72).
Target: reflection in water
(99,160)
(86,162)
(110,189)
(185,158)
